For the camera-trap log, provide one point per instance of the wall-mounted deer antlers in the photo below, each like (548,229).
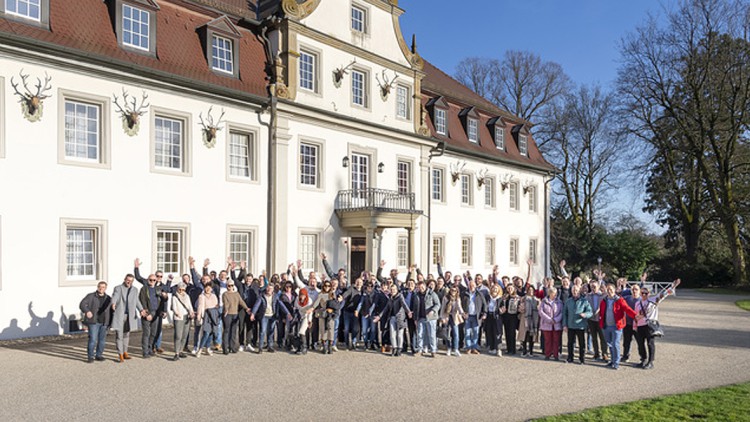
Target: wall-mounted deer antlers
(31,103)
(210,129)
(338,74)
(482,177)
(527,186)
(130,112)
(505,181)
(385,85)
(456,169)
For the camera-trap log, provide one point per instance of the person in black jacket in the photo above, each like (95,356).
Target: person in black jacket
(97,312)
(396,313)
(364,311)
(381,326)
(153,298)
(475,307)
(285,315)
(352,298)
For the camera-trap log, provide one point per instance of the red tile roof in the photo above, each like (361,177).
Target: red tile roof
(85,27)
(437,83)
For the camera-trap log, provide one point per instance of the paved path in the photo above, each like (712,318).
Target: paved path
(707,345)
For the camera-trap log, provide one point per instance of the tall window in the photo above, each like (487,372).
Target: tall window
(308,163)
(402,102)
(359,88)
(404,177)
(221,54)
(523,145)
(30,9)
(532,199)
(135,27)
(241,155)
(81,253)
(513,252)
(513,195)
(532,250)
(466,190)
(82,131)
(489,251)
(241,247)
(169,250)
(307,78)
(473,130)
(360,171)
(437,185)
(169,143)
(466,251)
(403,251)
(308,251)
(359,19)
(438,249)
(499,137)
(440,123)
(489,192)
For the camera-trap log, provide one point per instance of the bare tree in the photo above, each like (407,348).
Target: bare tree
(480,75)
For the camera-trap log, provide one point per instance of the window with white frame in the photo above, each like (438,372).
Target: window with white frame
(440,122)
(222,55)
(402,102)
(499,137)
(83,250)
(169,143)
(438,249)
(170,249)
(308,251)
(513,258)
(532,250)
(135,27)
(308,164)
(241,247)
(241,155)
(532,199)
(29,9)
(473,130)
(82,131)
(437,185)
(466,243)
(360,174)
(359,19)
(359,88)
(403,177)
(523,145)
(513,196)
(403,251)
(308,71)
(489,251)
(489,192)
(466,192)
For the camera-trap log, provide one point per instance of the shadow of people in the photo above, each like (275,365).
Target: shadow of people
(70,324)
(13,331)
(41,326)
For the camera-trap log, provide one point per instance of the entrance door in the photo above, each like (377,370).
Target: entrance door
(357,257)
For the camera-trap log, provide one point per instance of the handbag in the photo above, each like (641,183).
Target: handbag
(443,332)
(654,328)
(320,312)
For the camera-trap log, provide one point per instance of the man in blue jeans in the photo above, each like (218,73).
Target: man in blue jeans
(612,312)
(427,314)
(475,307)
(97,315)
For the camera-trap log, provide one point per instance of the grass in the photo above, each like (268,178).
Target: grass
(743,304)
(725,291)
(731,403)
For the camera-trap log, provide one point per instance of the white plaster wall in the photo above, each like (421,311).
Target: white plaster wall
(37,192)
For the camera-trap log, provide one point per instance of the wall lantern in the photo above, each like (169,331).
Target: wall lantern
(380,167)
(345,161)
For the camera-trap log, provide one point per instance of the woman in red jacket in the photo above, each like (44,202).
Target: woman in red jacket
(612,313)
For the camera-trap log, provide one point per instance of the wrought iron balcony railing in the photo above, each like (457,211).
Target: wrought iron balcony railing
(372,199)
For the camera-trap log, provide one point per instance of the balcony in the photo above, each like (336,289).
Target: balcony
(371,199)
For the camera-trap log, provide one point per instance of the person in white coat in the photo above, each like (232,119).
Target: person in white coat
(127,308)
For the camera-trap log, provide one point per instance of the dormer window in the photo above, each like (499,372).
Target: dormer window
(35,12)
(473,130)
(523,145)
(135,24)
(439,109)
(221,43)
(470,119)
(359,19)
(500,137)
(441,125)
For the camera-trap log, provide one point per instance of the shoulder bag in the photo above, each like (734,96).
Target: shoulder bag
(654,328)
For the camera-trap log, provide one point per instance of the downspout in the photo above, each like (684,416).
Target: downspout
(547,228)
(436,151)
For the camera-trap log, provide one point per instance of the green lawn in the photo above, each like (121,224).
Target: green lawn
(730,403)
(744,304)
(725,291)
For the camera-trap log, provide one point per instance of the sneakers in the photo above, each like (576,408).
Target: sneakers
(457,353)
(198,353)
(649,366)
(250,348)
(209,351)
(334,348)
(493,352)
(194,352)
(99,358)
(499,352)
(448,353)
(242,348)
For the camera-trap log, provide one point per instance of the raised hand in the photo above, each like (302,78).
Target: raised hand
(382,263)
(243,265)
(644,277)
(322,256)
(137,263)
(191,261)
(299,263)
(562,263)
(206,263)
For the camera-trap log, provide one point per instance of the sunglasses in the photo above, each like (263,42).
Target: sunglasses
(151,279)
(644,293)
(159,276)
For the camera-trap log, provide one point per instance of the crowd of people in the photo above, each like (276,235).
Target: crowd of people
(234,311)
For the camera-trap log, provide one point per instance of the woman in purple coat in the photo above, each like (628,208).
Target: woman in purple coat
(550,323)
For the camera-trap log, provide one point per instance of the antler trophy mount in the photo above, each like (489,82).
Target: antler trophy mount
(210,129)
(32,103)
(456,169)
(338,73)
(130,112)
(385,85)
(482,177)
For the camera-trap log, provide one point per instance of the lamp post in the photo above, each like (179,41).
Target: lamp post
(599,260)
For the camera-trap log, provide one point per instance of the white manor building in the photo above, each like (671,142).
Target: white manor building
(265,130)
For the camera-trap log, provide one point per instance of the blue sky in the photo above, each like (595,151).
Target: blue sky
(582,35)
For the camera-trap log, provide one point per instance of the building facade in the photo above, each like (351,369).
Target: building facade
(266,131)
